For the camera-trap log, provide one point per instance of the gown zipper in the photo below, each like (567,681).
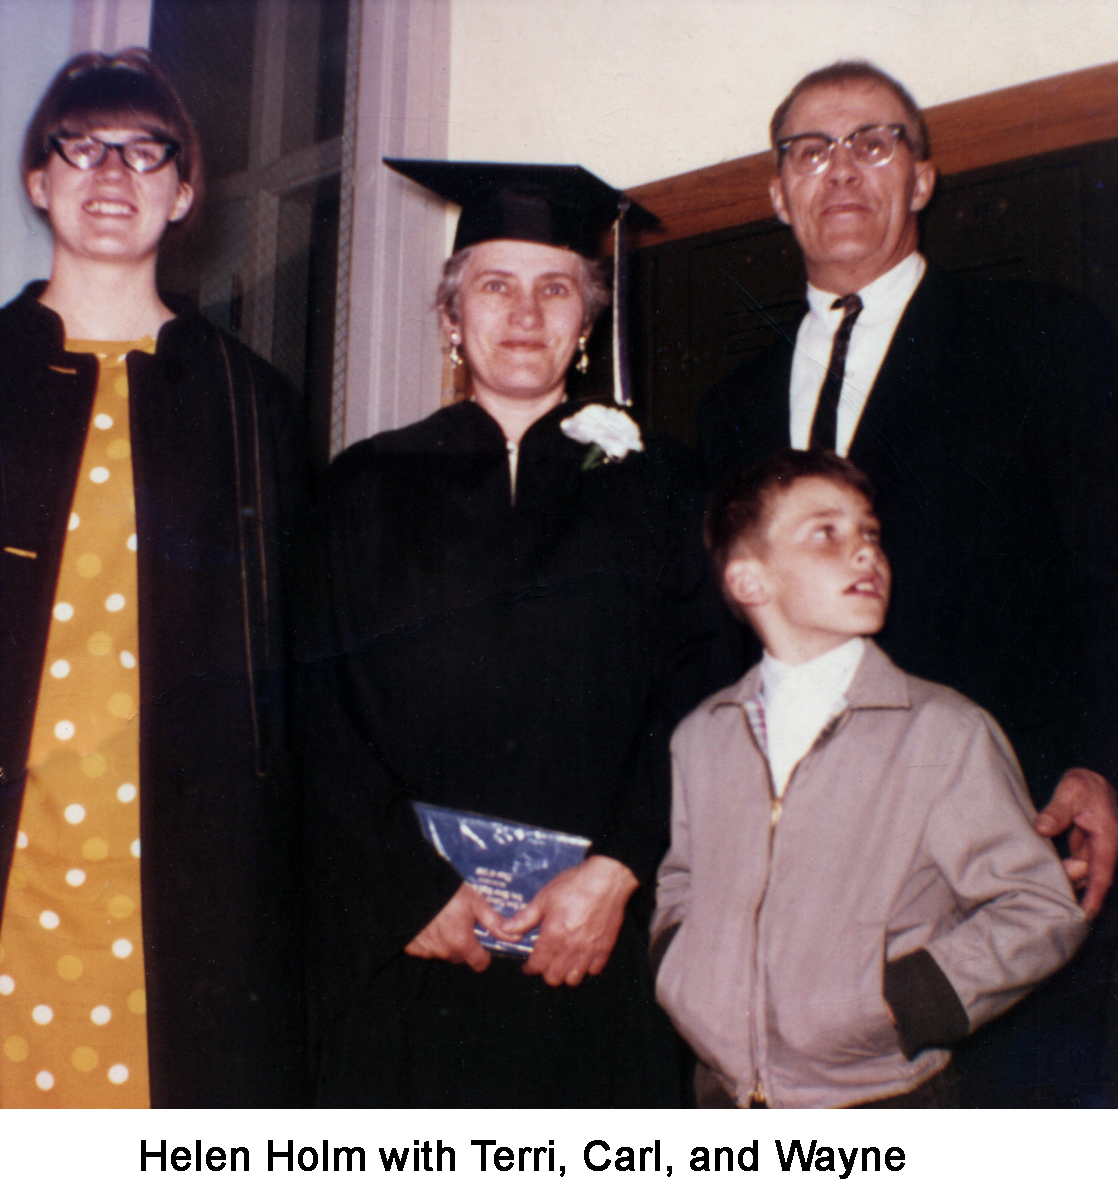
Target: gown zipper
(514,458)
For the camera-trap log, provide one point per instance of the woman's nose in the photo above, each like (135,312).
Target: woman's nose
(526,310)
(112,162)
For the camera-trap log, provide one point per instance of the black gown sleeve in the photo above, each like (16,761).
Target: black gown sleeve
(699,650)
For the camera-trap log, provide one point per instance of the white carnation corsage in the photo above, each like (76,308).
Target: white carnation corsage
(611,433)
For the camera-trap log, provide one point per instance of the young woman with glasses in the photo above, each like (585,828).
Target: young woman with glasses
(151,467)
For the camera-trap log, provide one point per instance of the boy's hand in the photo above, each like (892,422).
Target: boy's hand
(579,913)
(1087,804)
(450,935)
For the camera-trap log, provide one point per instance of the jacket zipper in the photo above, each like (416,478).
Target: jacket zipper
(757,1096)
(757,1093)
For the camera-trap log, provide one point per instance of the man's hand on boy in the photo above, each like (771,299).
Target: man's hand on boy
(580,913)
(1087,804)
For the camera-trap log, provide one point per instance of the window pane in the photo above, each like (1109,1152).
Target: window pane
(314,72)
(206,46)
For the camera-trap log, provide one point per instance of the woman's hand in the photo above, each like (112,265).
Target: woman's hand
(450,935)
(579,913)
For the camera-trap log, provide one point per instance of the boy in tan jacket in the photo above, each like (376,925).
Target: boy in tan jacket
(853,882)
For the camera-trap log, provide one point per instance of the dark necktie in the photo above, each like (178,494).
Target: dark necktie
(824,425)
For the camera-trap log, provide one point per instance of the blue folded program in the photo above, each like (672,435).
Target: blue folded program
(502,860)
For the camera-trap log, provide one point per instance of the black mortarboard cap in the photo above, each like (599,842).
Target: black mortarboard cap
(565,206)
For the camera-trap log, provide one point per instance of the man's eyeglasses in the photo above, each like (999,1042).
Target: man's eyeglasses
(142,154)
(810,153)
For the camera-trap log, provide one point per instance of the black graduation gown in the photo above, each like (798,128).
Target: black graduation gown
(524,660)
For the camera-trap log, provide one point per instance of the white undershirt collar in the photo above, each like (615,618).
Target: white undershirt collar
(800,700)
(883,303)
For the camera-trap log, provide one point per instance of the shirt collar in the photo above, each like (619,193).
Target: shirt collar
(877,683)
(833,670)
(884,298)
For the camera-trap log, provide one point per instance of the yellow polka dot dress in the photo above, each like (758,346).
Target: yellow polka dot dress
(73,1029)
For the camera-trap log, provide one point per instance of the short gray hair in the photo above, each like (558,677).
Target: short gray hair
(839,74)
(591,284)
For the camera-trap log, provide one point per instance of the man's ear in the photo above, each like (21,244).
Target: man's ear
(776,197)
(925,183)
(38,190)
(744,580)
(182,204)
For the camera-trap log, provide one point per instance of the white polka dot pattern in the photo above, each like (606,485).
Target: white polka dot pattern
(70,937)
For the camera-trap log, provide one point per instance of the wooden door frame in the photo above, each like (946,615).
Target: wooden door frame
(983,130)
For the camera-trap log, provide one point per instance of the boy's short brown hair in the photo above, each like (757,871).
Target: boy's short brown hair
(125,88)
(739,508)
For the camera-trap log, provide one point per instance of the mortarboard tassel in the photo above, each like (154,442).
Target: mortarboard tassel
(622,393)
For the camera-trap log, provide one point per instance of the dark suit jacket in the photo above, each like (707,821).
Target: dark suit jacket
(991,436)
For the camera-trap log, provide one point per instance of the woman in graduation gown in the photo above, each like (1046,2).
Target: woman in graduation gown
(520,613)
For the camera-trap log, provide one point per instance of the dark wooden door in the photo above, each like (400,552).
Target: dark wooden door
(701,306)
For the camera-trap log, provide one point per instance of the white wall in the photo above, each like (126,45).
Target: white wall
(109,25)
(34,42)
(637,90)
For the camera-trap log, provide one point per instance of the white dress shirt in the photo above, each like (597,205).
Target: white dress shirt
(799,701)
(883,304)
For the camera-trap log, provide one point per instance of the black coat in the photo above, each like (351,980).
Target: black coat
(217,457)
(525,661)
(991,437)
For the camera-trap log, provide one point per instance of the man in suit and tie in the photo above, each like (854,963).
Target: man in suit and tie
(986,415)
